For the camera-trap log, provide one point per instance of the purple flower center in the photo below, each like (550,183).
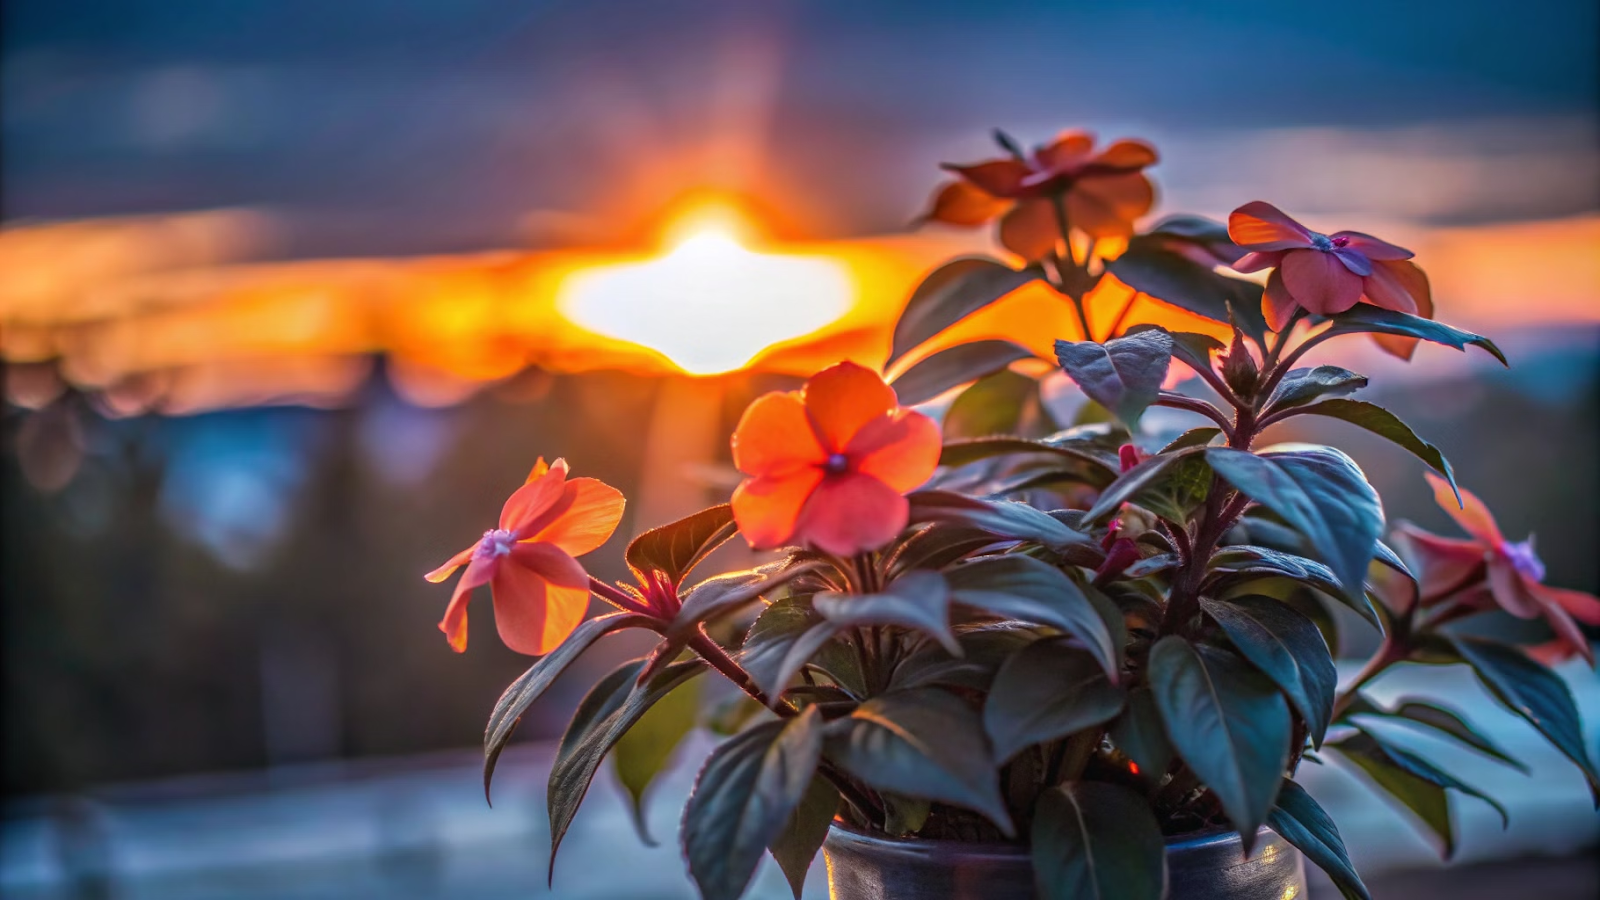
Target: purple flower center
(837,464)
(1341,241)
(1524,559)
(495,543)
(1321,241)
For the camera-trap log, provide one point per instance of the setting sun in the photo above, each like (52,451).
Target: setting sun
(709,303)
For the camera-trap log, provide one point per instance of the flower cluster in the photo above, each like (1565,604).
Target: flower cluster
(997,626)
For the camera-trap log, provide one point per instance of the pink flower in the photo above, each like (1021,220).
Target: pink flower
(1324,274)
(540,591)
(1488,571)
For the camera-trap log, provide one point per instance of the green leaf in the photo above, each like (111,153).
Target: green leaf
(922,743)
(1139,735)
(937,546)
(724,594)
(1246,563)
(605,715)
(1047,690)
(1194,437)
(1002,518)
(675,548)
(643,751)
(1424,797)
(1299,820)
(782,639)
(983,651)
(1364,318)
(1301,386)
(995,404)
(1097,841)
(1139,481)
(1531,691)
(1318,490)
(918,600)
(949,294)
(1030,590)
(1443,721)
(749,788)
(1227,721)
(1195,350)
(1124,374)
(954,366)
(1092,448)
(1386,424)
(1172,278)
(1288,647)
(520,695)
(802,835)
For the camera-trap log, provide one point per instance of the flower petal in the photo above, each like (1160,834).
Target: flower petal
(590,511)
(1256,261)
(841,399)
(766,508)
(1511,589)
(1353,260)
(1107,205)
(1029,230)
(1567,631)
(1276,305)
(540,595)
(1371,247)
(454,623)
(1259,225)
(900,450)
(1389,279)
(1068,151)
(1126,155)
(1443,564)
(1583,607)
(456,562)
(850,514)
(1319,282)
(775,435)
(965,204)
(1471,514)
(998,177)
(534,497)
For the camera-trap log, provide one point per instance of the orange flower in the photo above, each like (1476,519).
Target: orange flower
(829,465)
(540,591)
(1103,192)
(1488,571)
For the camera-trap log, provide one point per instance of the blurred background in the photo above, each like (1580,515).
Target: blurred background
(293,293)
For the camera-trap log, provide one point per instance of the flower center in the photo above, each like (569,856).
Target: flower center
(1323,242)
(1341,241)
(1524,559)
(495,543)
(836,464)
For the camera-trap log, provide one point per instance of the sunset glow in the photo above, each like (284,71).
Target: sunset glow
(709,303)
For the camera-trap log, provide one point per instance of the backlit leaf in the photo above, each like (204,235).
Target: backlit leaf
(954,366)
(949,294)
(675,548)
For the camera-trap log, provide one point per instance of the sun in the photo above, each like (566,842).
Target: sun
(708,302)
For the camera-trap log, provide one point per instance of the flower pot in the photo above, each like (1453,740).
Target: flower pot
(1206,866)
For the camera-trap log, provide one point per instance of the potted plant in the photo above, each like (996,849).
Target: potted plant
(1006,655)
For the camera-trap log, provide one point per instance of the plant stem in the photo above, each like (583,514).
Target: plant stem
(1391,652)
(1179,401)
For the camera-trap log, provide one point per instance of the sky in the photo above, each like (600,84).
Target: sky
(400,126)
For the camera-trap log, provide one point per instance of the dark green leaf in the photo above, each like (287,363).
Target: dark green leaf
(520,695)
(1443,721)
(1091,450)
(1124,374)
(674,549)
(1364,318)
(1194,350)
(1531,691)
(1002,403)
(1172,278)
(1030,590)
(743,798)
(1288,648)
(1001,518)
(1423,797)
(1299,820)
(1194,437)
(1227,721)
(922,743)
(1386,424)
(1245,563)
(783,638)
(1097,841)
(1138,481)
(604,716)
(1139,735)
(949,294)
(919,600)
(1047,690)
(1318,490)
(724,594)
(1301,386)
(797,844)
(983,652)
(953,366)
(643,751)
